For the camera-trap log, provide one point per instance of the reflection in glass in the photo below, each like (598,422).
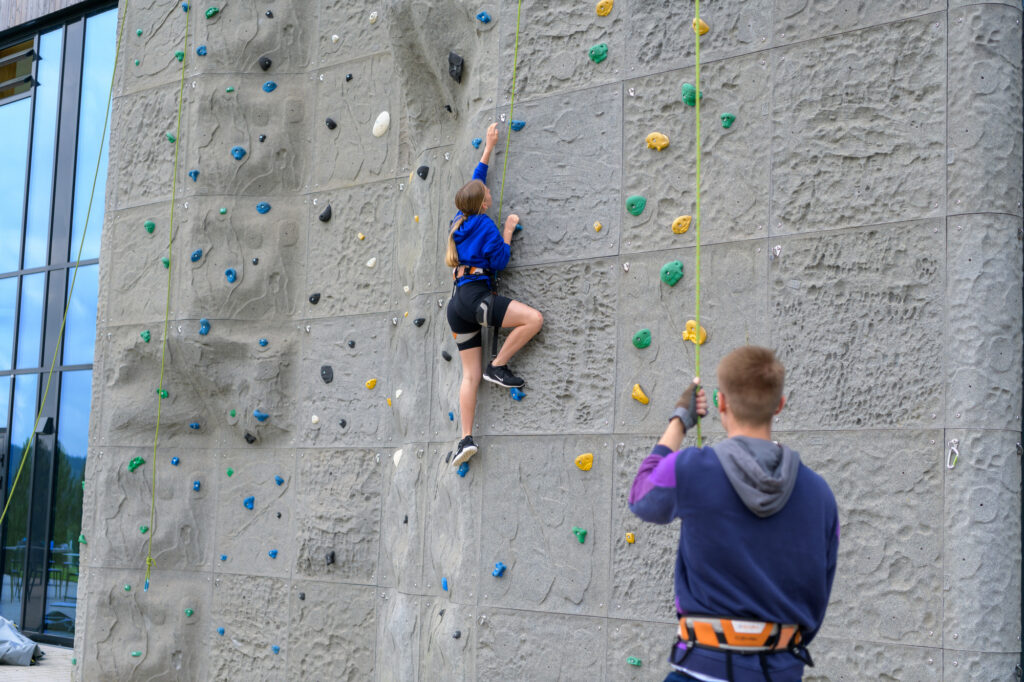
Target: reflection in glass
(97,64)
(15,528)
(30,322)
(80,333)
(14,119)
(44,134)
(8,299)
(16,75)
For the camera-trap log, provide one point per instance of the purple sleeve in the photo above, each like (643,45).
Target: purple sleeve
(653,495)
(480,172)
(496,251)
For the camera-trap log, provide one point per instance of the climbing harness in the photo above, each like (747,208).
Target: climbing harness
(74,277)
(737,637)
(696,33)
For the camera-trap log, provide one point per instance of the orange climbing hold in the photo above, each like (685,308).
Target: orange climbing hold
(657,141)
(639,395)
(604,8)
(585,461)
(691,333)
(681,224)
(699,26)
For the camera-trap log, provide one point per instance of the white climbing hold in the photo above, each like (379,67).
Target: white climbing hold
(316,419)
(370,263)
(373,17)
(397,456)
(406,288)
(335,38)
(361,236)
(398,394)
(381,125)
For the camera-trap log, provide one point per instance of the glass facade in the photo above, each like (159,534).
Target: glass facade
(53,96)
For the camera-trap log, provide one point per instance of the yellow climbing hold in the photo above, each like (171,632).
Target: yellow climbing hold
(371,383)
(585,461)
(699,26)
(657,141)
(361,236)
(604,8)
(630,538)
(597,226)
(691,333)
(681,224)
(389,402)
(416,218)
(639,395)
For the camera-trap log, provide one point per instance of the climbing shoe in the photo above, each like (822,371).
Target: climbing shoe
(502,376)
(467,448)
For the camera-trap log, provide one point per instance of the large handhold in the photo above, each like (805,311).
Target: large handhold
(455,66)
(691,333)
(381,125)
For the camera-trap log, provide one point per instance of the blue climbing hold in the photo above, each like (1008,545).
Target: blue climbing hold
(238,152)
(518,125)
(174,461)
(263,343)
(477,142)
(196,255)
(223,557)
(463,469)
(194,174)
(516,393)
(263,207)
(194,426)
(483,18)
(273,555)
(195,486)
(145,588)
(276,649)
(499,570)
(220,631)
(278,480)
(444,584)
(249,502)
(451,416)
(204,327)
(260,416)
(201,50)
(269,86)
(231,275)
(184,7)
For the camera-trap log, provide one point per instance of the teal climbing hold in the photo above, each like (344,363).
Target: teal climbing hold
(150,226)
(171,138)
(138,31)
(672,272)
(179,55)
(642,338)
(727,120)
(212,12)
(146,335)
(598,53)
(580,534)
(714,397)
(636,204)
(690,94)
(633,660)
(162,392)
(166,261)
(135,463)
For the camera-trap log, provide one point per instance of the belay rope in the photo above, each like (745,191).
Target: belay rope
(696,213)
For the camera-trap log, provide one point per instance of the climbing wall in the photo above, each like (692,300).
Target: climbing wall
(861,213)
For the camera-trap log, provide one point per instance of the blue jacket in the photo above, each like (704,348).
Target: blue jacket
(733,562)
(479,241)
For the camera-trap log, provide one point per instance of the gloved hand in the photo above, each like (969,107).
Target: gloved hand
(691,405)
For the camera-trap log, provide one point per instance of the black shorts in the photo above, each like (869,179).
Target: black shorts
(462,313)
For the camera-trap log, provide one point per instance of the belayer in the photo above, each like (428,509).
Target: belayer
(476,251)
(759,533)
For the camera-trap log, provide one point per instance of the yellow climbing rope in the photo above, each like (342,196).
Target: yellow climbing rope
(696,216)
(74,278)
(511,110)
(167,308)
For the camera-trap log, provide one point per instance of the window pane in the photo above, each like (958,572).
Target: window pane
(16,523)
(44,133)
(8,299)
(80,332)
(14,118)
(17,75)
(30,324)
(97,64)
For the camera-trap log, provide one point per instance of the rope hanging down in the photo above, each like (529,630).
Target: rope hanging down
(696,33)
(74,278)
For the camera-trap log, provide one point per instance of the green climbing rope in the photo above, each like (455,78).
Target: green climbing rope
(511,111)
(696,215)
(167,309)
(74,276)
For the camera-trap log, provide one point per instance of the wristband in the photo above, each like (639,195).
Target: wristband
(683,415)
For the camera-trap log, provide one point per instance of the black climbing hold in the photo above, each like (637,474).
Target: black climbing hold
(329,558)
(446,355)
(302,596)
(270,15)
(255,261)
(249,438)
(348,76)
(440,614)
(314,298)
(351,344)
(448,457)
(263,138)
(327,374)
(457,634)
(342,423)
(422,171)
(455,66)
(265,63)
(448,108)
(331,125)
(406,519)
(325,215)
(278,514)
(419,321)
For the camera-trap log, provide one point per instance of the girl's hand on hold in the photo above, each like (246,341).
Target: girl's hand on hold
(492,135)
(510,227)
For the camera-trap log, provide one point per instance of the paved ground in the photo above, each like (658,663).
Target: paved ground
(55,666)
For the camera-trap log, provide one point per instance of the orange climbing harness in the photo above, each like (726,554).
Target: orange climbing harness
(745,636)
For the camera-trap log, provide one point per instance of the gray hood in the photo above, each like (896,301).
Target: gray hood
(762,472)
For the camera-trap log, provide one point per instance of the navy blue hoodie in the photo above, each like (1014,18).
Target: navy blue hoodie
(479,241)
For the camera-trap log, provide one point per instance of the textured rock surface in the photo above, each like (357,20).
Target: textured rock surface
(862,215)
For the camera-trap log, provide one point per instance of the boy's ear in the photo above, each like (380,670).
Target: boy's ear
(782,403)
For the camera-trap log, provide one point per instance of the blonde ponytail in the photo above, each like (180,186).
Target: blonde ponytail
(468,200)
(451,254)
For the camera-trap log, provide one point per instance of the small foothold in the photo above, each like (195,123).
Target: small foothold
(457,634)
(389,401)
(171,138)
(231,414)
(174,461)
(265,63)
(604,8)
(231,275)
(230,472)
(220,631)
(150,226)
(329,558)
(681,224)
(635,204)
(249,502)
(516,393)
(342,423)
(451,416)
(263,207)
(348,77)
(633,660)
(598,53)
(672,272)
(223,211)
(325,214)
(276,649)
(381,125)
(302,596)
(499,570)
(127,588)
(463,469)
(714,397)
(327,374)
(483,17)
(162,392)
(146,335)
(260,416)
(335,38)
(194,425)
(135,463)
(269,86)
(229,89)
(201,50)
(81,539)
(585,461)
(371,383)
(166,262)
(444,584)
(689,94)
(278,480)
(422,171)
(657,141)
(314,298)
(446,355)
(196,255)
(580,534)
(373,17)
(196,485)
(179,55)
(137,62)
(691,333)
(419,321)
(406,519)
(642,338)
(455,66)
(223,557)
(370,263)
(262,138)
(630,538)
(269,14)
(255,261)
(138,31)
(477,142)
(351,343)
(194,174)
(212,12)
(699,26)
(639,395)
(597,226)
(331,124)
(315,419)
(728,119)
(238,152)
(136,654)
(517,125)
(249,438)
(188,613)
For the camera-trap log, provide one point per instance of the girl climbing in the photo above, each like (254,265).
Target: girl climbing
(476,250)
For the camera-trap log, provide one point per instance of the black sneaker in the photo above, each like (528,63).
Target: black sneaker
(467,448)
(502,376)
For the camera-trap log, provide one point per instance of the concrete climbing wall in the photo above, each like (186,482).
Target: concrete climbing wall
(862,215)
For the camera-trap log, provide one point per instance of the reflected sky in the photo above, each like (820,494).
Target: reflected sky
(80,332)
(25,387)
(44,134)
(30,320)
(8,298)
(75,396)
(14,120)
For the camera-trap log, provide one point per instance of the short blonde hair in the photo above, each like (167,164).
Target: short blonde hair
(752,380)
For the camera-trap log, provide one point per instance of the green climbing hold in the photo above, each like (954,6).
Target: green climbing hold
(223,211)
(143,529)
(581,534)
(642,338)
(135,463)
(728,119)
(171,138)
(188,613)
(83,482)
(672,272)
(127,587)
(161,392)
(231,413)
(74,661)
(633,660)
(166,261)
(212,12)
(229,89)
(138,31)
(230,472)
(636,204)
(150,226)
(136,62)
(690,94)
(146,336)
(179,55)
(598,53)
(136,654)
(81,539)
